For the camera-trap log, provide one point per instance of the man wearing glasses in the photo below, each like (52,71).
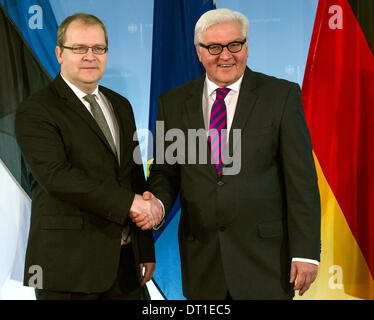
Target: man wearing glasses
(77,138)
(248,235)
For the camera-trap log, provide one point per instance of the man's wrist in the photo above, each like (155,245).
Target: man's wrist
(159,226)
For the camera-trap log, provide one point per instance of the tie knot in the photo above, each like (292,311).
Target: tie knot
(222,93)
(90,98)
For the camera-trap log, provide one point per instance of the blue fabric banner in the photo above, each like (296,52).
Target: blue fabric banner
(174,59)
(174,62)
(36,21)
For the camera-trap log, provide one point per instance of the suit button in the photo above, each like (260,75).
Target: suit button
(222,229)
(220,183)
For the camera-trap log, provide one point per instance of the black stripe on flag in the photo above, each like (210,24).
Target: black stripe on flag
(364,12)
(21,75)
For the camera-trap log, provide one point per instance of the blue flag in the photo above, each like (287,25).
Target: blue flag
(37,23)
(174,62)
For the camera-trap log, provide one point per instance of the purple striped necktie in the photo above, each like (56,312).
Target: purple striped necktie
(217,123)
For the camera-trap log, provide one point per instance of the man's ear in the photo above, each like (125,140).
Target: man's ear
(58,51)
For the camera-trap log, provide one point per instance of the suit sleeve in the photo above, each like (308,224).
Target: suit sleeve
(42,146)
(164,180)
(303,200)
(146,244)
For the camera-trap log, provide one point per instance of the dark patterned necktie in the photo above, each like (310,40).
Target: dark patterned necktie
(98,114)
(217,123)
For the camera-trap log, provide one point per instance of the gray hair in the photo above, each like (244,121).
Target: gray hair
(217,16)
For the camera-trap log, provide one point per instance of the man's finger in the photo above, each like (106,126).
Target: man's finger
(147,270)
(300,281)
(133,215)
(306,285)
(138,220)
(146,276)
(141,271)
(140,217)
(144,223)
(293,273)
(148,226)
(303,273)
(141,222)
(147,195)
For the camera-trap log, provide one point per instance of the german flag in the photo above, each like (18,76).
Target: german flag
(338,98)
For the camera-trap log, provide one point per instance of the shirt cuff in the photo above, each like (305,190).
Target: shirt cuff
(159,226)
(316,262)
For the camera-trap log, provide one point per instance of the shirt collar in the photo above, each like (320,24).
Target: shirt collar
(212,87)
(78,92)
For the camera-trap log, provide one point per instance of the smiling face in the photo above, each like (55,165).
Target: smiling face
(83,70)
(226,68)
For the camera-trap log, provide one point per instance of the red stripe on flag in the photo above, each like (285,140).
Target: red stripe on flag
(338,99)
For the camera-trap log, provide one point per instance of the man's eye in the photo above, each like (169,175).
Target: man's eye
(235,45)
(215,47)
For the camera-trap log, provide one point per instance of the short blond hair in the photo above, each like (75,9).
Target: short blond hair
(87,19)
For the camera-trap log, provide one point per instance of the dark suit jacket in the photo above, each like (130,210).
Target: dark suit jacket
(239,232)
(81,196)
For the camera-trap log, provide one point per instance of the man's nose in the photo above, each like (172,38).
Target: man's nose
(225,54)
(89,55)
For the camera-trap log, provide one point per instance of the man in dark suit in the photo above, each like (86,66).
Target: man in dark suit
(77,138)
(250,229)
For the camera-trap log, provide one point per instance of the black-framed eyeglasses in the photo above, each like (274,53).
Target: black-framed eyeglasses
(84,49)
(217,48)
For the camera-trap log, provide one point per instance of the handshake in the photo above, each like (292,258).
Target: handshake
(146,211)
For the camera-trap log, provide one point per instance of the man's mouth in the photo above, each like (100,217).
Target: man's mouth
(225,65)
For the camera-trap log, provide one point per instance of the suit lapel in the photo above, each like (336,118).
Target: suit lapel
(77,106)
(193,106)
(246,102)
(195,118)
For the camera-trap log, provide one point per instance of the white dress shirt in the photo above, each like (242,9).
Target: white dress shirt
(110,118)
(231,100)
(105,107)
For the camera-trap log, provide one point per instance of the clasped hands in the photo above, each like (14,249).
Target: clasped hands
(146,211)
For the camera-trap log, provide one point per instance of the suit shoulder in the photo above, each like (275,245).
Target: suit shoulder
(118,101)
(117,98)
(181,91)
(114,94)
(271,82)
(41,97)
